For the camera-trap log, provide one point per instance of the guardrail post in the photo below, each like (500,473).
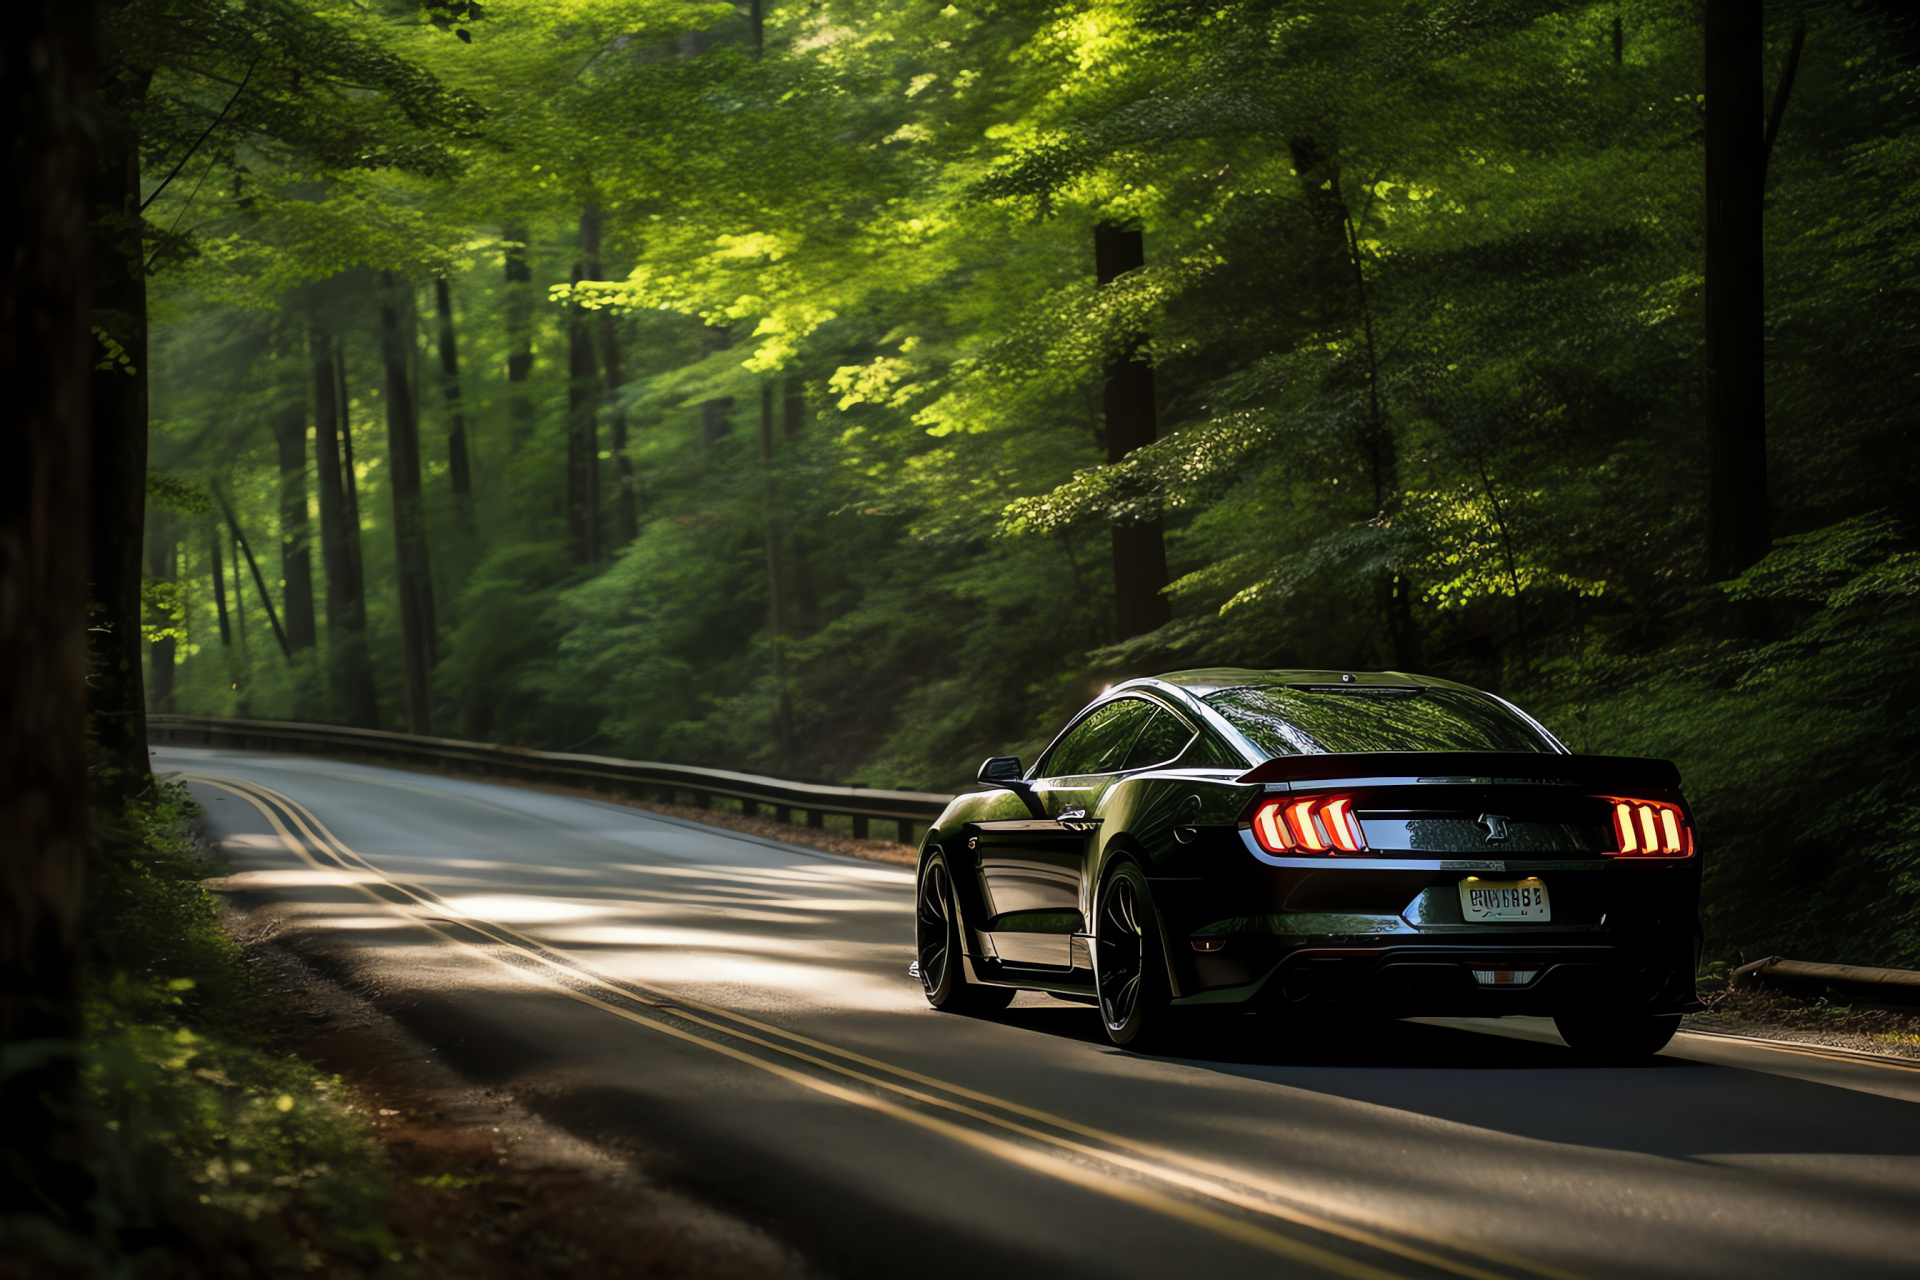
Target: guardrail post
(816,819)
(748,809)
(701,800)
(782,813)
(859,826)
(906,830)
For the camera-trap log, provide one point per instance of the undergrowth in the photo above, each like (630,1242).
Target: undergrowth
(213,1150)
(1798,754)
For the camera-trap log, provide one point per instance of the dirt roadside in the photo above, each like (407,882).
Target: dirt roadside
(1884,1031)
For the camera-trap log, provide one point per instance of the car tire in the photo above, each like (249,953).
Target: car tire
(1129,966)
(1615,1036)
(943,970)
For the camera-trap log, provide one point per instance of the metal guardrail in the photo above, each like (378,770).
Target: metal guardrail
(1897,986)
(619,779)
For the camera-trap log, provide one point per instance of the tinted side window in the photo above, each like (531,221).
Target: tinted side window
(1206,752)
(1159,742)
(1098,743)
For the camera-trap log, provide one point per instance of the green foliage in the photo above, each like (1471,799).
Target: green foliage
(1422,303)
(1797,754)
(203,1129)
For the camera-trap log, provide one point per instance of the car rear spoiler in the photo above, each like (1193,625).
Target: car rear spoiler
(1596,773)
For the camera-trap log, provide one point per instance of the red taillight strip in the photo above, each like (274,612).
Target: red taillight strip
(1317,825)
(1650,828)
(1342,827)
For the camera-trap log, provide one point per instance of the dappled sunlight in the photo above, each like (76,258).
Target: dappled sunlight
(811,948)
(798,874)
(253,842)
(521,910)
(751,984)
(291,878)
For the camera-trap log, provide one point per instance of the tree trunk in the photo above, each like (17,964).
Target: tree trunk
(296,555)
(117,467)
(409,531)
(245,548)
(46,81)
(716,415)
(519,309)
(1738,532)
(583,404)
(220,589)
(459,466)
(1319,176)
(776,635)
(1139,550)
(239,594)
(161,570)
(794,411)
(351,668)
(800,605)
(626,521)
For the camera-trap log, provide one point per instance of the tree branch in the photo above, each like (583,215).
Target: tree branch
(1780,94)
(203,137)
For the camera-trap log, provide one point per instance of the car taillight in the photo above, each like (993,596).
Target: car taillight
(1650,828)
(1321,824)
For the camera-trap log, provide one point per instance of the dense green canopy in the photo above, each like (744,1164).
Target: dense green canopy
(757,355)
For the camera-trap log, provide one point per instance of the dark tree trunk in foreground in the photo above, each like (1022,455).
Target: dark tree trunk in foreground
(1139,550)
(459,465)
(117,466)
(160,570)
(1738,532)
(351,667)
(583,404)
(519,308)
(409,526)
(46,79)
(296,555)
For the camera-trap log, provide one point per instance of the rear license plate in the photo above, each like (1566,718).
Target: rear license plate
(1504,899)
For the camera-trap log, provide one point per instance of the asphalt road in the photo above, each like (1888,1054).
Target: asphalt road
(740,1011)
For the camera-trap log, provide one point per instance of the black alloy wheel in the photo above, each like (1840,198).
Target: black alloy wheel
(1129,966)
(937,944)
(1616,1036)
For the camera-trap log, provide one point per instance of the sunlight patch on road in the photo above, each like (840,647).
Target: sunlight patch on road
(521,910)
(806,873)
(762,985)
(697,938)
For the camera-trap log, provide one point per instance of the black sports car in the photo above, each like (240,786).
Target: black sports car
(1317,840)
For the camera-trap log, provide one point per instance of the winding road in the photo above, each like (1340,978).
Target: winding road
(741,1010)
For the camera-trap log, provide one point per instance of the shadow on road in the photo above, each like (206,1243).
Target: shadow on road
(1666,1106)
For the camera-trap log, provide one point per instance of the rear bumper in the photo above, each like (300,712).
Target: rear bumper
(1472,977)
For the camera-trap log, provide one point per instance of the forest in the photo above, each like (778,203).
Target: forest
(848,391)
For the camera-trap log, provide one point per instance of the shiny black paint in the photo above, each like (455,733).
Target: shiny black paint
(1387,939)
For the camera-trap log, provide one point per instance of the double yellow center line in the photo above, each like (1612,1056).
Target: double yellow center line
(1228,1202)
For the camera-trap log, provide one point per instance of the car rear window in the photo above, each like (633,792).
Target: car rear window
(1289,720)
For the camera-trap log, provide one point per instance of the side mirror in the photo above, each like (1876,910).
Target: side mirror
(1002,769)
